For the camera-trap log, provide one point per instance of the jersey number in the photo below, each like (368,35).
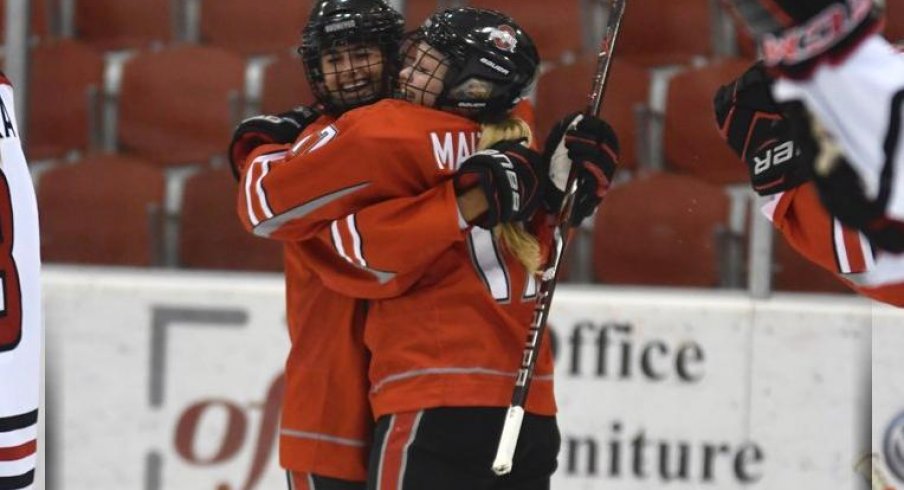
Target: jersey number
(10,293)
(310,143)
(486,253)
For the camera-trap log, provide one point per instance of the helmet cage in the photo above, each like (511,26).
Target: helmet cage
(381,27)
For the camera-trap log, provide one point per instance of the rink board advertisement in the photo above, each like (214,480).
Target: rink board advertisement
(170,381)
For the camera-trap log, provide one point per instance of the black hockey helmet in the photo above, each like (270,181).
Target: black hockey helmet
(338,23)
(492,62)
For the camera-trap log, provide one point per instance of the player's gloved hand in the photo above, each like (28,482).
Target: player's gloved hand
(841,189)
(507,173)
(754,127)
(796,35)
(593,145)
(261,130)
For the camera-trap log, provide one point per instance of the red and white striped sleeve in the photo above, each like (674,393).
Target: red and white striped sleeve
(852,251)
(389,244)
(816,235)
(823,240)
(291,193)
(257,208)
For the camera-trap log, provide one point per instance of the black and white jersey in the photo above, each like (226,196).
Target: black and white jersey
(860,102)
(20,306)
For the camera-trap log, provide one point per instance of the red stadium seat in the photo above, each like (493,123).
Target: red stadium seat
(564,90)
(660,230)
(555,27)
(105,210)
(792,272)
(417,11)
(894,20)
(285,85)
(180,105)
(124,24)
(40,25)
(211,236)
(746,45)
(692,141)
(245,27)
(658,32)
(67,69)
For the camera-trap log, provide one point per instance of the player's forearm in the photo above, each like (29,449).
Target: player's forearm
(817,236)
(389,244)
(293,198)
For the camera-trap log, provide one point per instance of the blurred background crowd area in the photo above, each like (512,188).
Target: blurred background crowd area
(130,107)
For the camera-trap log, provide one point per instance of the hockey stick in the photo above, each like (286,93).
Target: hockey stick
(511,429)
(870,466)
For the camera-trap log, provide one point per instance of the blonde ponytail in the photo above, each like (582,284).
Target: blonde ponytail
(513,235)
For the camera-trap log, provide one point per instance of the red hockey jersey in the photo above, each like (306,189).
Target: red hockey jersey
(326,418)
(327,422)
(455,337)
(823,240)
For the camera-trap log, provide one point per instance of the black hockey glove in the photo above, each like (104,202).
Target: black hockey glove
(507,173)
(796,35)
(840,188)
(593,145)
(752,124)
(261,130)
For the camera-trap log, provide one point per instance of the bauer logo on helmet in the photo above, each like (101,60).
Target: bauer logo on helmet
(339,26)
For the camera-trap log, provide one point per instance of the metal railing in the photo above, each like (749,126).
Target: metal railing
(16,52)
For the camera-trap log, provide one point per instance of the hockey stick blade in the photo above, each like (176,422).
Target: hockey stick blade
(511,428)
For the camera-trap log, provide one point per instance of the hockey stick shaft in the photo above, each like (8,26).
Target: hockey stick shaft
(511,428)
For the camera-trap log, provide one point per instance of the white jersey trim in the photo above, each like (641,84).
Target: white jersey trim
(449,370)
(841,254)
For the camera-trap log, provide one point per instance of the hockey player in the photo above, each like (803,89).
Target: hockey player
(326,417)
(445,348)
(20,322)
(850,85)
(754,127)
(350,54)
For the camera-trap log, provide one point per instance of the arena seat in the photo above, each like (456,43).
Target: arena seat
(660,229)
(210,234)
(692,142)
(417,11)
(67,69)
(563,90)
(556,27)
(243,26)
(659,32)
(105,210)
(180,105)
(124,24)
(747,47)
(894,21)
(40,25)
(284,85)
